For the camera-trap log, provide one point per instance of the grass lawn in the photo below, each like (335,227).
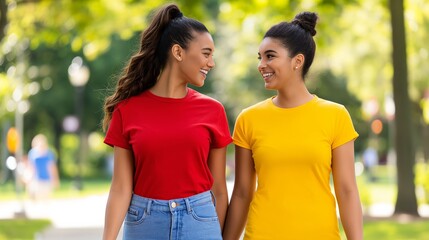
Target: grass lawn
(393,230)
(22,229)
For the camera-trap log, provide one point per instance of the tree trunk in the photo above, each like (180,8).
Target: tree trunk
(3,18)
(406,201)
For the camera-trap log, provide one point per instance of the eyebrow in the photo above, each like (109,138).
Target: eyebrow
(270,51)
(266,52)
(207,49)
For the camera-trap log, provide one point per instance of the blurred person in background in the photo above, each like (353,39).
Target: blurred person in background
(370,160)
(45,172)
(169,141)
(290,144)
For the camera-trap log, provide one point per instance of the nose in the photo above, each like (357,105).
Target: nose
(211,63)
(261,65)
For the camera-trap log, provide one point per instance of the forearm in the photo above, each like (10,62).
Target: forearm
(346,190)
(116,209)
(236,217)
(351,215)
(221,207)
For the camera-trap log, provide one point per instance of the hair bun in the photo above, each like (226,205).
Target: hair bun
(307,21)
(176,14)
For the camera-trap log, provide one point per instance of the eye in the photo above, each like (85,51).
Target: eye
(259,57)
(270,56)
(206,54)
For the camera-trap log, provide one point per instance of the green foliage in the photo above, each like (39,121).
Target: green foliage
(69,148)
(5,98)
(24,229)
(364,192)
(97,161)
(87,25)
(422,180)
(417,21)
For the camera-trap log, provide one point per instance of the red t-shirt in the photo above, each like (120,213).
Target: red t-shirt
(170,139)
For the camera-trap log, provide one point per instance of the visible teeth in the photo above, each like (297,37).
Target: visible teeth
(267,74)
(204,71)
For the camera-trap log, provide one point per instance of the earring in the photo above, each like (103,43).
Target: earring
(296,68)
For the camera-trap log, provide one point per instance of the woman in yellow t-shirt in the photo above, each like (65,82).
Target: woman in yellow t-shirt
(288,145)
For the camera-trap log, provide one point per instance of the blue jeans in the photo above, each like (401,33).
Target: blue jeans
(191,218)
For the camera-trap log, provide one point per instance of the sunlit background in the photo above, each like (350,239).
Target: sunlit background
(60,59)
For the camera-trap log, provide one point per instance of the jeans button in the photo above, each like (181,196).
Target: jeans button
(173,204)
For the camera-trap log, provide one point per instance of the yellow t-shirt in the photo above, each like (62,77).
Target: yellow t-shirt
(292,151)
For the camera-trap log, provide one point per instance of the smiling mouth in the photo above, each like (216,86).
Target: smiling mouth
(204,72)
(267,75)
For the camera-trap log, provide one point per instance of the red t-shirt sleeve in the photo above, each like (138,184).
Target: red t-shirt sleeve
(221,136)
(115,135)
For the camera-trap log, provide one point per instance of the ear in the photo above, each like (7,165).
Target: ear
(177,52)
(298,61)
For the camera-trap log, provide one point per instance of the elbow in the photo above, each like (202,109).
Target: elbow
(244,195)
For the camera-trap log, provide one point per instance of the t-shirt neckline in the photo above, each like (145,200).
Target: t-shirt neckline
(151,95)
(302,106)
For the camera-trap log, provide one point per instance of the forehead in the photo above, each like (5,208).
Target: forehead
(271,44)
(202,40)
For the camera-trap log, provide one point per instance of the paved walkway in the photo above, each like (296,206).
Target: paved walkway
(83,218)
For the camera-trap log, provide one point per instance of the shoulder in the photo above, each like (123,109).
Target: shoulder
(204,99)
(257,108)
(129,104)
(332,111)
(328,105)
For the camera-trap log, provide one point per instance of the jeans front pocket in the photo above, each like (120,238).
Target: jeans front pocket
(135,215)
(205,212)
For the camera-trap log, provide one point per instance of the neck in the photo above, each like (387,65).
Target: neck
(168,85)
(292,96)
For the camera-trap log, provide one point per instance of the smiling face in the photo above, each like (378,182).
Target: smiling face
(275,66)
(197,59)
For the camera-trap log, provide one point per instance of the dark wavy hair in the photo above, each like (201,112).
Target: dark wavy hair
(297,37)
(168,27)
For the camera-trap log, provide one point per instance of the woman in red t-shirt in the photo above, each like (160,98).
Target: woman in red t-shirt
(169,140)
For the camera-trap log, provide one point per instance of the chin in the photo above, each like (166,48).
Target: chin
(200,84)
(269,87)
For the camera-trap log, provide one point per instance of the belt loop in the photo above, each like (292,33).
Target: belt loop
(188,205)
(149,204)
(213,198)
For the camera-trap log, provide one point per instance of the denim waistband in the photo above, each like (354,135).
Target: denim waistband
(173,204)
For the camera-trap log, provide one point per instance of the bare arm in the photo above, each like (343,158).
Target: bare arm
(120,192)
(244,188)
(346,190)
(217,165)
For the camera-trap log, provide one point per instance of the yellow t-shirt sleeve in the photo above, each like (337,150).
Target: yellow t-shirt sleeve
(345,130)
(240,136)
